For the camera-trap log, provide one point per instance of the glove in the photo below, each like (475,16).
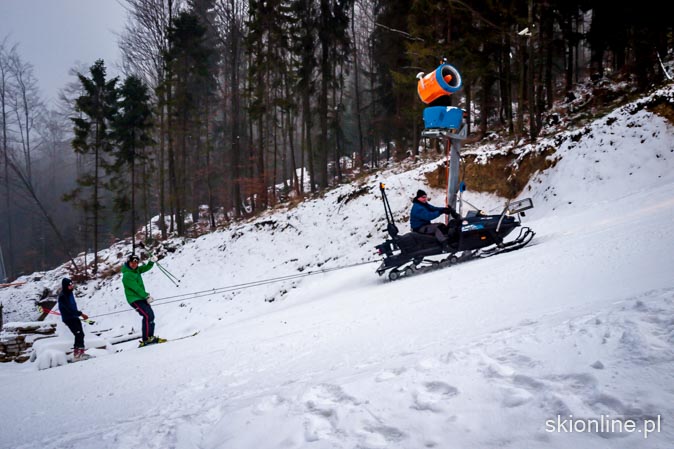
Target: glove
(84,316)
(149,299)
(153,259)
(452,212)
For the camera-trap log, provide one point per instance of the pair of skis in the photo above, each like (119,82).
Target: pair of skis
(71,359)
(167,340)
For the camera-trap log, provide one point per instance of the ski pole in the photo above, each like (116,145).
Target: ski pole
(167,273)
(163,269)
(42,309)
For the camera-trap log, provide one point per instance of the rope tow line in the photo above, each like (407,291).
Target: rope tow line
(234,287)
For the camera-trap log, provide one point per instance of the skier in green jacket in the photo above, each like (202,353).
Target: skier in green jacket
(138,298)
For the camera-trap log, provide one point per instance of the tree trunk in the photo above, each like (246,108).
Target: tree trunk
(96,205)
(306,109)
(508,98)
(9,267)
(548,43)
(356,77)
(236,119)
(133,203)
(162,168)
(533,131)
(519,129)
(293,163)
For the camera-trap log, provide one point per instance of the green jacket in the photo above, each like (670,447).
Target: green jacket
(134,289)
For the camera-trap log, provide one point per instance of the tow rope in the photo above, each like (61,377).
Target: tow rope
(235,287)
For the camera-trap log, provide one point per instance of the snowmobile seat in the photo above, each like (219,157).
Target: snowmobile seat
(414,241)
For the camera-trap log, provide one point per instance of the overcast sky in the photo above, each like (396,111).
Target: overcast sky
(57,35)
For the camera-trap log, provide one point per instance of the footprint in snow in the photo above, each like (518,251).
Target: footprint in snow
(323,403)
(528,382)
(380,435)
(449,357)
(581,383)
(497,371)
(608,404)
(514,397)
(268,404)
(433,396)
(516,358)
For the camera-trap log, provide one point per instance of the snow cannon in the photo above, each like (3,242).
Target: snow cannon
(443,81)
(442,120)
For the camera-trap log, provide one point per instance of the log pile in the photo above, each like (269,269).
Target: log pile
(16,339)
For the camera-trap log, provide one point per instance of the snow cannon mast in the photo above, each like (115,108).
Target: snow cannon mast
(442,120)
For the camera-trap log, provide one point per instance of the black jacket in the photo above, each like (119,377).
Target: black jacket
(67,304)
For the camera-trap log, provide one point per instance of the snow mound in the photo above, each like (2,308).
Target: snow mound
(50,358)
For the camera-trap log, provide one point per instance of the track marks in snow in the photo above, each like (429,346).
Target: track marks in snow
(434,396)
(324,404)
(556,365)
(586,386)
(331,414)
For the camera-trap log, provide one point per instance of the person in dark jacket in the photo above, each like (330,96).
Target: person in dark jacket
(138,298)
(424,212)
(71,317)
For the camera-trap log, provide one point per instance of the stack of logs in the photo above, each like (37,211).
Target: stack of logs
(16,339)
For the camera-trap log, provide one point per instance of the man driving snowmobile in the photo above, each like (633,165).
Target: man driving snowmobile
(424,212)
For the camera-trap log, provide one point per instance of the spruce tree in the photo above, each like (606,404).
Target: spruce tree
(97,107)
(193,79)
(132,128)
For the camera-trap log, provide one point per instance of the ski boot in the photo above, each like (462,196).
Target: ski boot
(79,355)
(151,341)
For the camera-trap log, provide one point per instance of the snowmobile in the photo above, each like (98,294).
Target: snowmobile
(475,235)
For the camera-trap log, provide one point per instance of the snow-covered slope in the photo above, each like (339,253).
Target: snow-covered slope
(509,351)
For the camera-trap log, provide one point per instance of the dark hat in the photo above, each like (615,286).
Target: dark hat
(420,193)
(133,257)
(66,282)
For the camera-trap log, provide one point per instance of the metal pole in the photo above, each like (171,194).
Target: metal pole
(454,140)
(454,162)
(3,270)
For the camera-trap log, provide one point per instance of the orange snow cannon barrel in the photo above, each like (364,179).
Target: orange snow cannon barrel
(445,80)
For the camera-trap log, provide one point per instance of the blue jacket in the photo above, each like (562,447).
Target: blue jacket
(422,214)
(67,304)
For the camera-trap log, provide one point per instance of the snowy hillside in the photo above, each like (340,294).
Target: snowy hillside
(510,351)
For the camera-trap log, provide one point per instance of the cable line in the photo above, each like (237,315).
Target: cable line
(242,286)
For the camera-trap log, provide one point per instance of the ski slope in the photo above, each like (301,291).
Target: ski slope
(490,353)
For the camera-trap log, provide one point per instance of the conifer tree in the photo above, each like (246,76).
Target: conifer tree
(304,47)
(132,127)
(335,45)
(189,61)
(97,107)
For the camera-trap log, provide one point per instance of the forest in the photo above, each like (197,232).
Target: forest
(227,108)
